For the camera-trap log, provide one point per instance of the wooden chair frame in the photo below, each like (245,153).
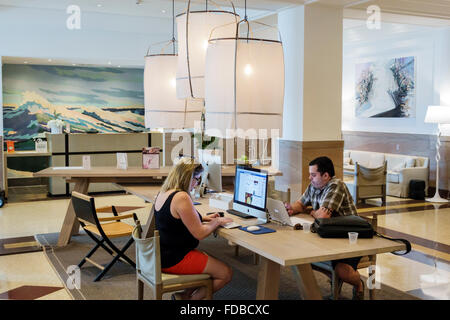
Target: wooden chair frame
(160,287)
(104,240)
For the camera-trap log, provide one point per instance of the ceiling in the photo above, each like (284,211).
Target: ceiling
(163,8)
(417,12)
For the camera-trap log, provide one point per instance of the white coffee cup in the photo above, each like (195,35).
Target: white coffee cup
(306,227)
(353,237)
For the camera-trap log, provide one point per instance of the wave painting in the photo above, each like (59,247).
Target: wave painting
(104,100)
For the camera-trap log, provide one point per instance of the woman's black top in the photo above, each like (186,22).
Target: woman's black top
(175,239)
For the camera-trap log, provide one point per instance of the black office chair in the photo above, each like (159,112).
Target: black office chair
(105,228)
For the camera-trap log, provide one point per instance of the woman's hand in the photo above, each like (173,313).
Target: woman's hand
(223,220)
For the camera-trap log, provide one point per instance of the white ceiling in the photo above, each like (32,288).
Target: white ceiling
(162,9)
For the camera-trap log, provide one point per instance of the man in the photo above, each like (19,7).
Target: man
(329,197)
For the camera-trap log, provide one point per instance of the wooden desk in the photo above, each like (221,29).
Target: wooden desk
(287,247)
(83,177)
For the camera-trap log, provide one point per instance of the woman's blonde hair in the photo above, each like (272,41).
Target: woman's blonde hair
(180,176)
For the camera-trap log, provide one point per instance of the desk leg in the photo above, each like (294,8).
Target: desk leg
(268,280)
(308,282)
(71,225)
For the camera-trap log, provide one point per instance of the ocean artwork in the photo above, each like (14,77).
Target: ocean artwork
(103,100)
(386,89)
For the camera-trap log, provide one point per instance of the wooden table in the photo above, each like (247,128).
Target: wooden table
(287,247)
(83,177)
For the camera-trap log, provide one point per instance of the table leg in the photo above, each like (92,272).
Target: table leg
(268,280)
(71,225)
(308,282)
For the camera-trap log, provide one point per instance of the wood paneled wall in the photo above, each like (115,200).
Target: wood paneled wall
(410,144)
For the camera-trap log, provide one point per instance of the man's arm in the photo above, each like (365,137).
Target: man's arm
(322,212)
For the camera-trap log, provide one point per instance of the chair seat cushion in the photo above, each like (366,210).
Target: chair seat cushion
(168,278)
(112,230)
(393,177)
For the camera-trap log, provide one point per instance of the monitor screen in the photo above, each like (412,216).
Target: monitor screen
(250,187)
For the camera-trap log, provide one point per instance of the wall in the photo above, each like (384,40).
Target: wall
(431,50)
(119,39)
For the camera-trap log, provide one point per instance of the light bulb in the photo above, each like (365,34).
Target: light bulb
(248,69)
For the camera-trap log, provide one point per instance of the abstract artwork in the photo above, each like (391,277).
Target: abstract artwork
(89,99)
(386,89)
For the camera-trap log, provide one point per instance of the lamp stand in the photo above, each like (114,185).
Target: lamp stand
(437,197)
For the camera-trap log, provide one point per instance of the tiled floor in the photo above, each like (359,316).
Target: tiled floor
(425,272)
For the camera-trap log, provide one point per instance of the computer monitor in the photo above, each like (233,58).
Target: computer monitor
(250,192)
(212,174)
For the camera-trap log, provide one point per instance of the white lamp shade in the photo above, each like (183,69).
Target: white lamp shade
(162,108)
(255,100)
(192,54)
(438,114)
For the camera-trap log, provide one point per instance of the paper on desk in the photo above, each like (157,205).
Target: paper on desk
(297,220)
(66,168)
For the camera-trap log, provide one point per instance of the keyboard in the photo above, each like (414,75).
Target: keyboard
(231,225)
(240,214)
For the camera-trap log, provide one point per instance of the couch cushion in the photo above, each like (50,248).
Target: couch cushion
(376,160)
(362,157)
(410,162)
(394,161)
(393,177)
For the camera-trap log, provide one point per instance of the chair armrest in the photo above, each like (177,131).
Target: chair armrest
(407,174)
(119,217)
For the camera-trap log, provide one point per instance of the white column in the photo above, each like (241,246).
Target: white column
(312,40)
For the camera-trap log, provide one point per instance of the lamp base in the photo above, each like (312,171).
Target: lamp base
(436,198)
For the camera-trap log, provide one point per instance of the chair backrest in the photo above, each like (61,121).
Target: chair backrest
(148,257)
(84,208)
(370,176)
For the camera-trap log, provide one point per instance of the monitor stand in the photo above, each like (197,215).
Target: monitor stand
(255,222)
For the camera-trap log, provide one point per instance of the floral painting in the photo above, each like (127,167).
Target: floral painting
(386,89)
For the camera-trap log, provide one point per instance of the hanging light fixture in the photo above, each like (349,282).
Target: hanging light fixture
(244,87)
(194,29)
(162,108)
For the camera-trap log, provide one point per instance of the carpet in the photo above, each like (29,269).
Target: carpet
(120,282)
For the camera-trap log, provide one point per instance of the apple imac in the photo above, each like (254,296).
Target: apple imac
(212,174)
(250,192)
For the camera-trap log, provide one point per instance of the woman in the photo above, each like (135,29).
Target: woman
(181,227)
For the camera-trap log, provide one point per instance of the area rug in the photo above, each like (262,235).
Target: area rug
(120,281)
(19,245)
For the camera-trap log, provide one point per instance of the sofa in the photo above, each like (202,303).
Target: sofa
(400,169)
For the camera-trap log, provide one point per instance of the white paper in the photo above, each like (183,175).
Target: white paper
(122,161)
(297,220)
(87,162)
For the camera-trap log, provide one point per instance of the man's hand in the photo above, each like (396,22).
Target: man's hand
(289,209)
(322,212)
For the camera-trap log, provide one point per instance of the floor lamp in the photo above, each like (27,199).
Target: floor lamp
(439,115)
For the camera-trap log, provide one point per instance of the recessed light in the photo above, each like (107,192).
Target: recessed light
(163,11)
(99,5)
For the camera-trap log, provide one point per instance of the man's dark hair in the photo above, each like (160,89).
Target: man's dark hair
(324,164)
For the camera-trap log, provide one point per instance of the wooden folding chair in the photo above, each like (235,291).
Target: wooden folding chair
(148,268)
(101,230)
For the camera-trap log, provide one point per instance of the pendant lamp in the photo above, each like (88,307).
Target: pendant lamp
(162,108)
(249,92)
(194,29)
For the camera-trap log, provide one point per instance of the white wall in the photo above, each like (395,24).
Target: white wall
(431,48)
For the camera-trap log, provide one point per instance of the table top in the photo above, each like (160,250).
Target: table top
(287,246)
(79,172)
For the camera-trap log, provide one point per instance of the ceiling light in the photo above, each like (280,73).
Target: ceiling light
(194,29)
(163,11)
(99,5)
(249,93)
